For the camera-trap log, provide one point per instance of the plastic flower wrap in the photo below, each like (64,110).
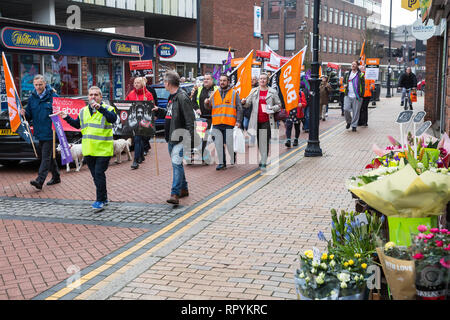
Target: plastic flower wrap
(403,192)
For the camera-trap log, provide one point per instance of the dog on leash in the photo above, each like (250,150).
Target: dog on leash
(120,146)
(77,156)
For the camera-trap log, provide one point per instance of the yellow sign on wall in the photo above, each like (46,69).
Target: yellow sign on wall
(410,5)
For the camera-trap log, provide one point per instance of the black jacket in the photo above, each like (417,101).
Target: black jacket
(407,82)
(182,116)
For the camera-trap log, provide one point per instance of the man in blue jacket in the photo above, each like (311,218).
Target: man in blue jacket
(38,109)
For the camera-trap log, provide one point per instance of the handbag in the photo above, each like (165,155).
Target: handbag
(281,115)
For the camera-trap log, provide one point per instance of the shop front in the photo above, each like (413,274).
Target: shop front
(70,60)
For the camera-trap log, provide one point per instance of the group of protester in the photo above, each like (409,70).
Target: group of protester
(220,105)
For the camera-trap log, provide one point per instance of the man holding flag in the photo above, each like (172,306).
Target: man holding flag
(39,109)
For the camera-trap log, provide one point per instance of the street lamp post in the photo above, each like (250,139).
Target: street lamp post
(199,72)
(388,94)
(313,148)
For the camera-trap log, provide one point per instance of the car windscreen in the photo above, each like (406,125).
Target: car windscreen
(162,93)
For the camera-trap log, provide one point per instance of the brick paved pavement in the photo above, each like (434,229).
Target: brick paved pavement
(250,252)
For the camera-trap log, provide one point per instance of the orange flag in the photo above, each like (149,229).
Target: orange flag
(13,101)
(241,76)
(362,56)
(287,80)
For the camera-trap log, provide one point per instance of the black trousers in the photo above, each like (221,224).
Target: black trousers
(98,167)
(225,138)
(47,162)
(289,124)
(263,136)
(341,101)
(364,113)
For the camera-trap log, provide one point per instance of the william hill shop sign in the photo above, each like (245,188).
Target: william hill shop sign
(25,39)
(126,48)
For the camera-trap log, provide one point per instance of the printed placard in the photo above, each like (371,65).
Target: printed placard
(134,118)
(405,116)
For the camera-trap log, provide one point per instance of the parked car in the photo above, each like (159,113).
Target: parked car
(163,95)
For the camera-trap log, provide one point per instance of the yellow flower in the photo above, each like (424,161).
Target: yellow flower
(401,155)
(324,256)
(357,255)
(331,256)
(346,264)
(364,265)
(309,254)
(389,245)
(351,262)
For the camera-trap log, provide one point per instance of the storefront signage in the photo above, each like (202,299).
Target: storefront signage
(126,48)
(410,5)
(141,68)
(257,22)
(423,31)
(25,39)
(166,50)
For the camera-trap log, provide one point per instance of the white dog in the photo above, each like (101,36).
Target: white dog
(77,156)
(120,146)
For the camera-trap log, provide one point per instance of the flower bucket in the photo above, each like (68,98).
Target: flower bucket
(401,229)
(358,296)
(431,281)
(298,284)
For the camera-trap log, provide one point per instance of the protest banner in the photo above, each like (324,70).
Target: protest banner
(134,118)
(66,155)
(70,106)
(141,68)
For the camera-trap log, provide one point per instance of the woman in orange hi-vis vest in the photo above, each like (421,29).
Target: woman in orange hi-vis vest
(368,91)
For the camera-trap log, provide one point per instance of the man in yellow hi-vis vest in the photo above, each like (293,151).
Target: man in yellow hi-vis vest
(226,114)
(95,121)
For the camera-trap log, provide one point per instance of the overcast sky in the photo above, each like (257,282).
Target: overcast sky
(400,16)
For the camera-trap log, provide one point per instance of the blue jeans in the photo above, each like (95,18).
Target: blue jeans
(138,147)
(245,123)
(179,179)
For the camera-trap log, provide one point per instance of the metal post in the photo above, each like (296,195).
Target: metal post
(313,148)
(388,94)
(284,30)
(199,72)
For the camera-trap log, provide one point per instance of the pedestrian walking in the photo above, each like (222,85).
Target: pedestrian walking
(369,88)
(264,102)
(39,109)
(354,84)
(304,85)
(325,90)
(95,121)
(139,93)
(294,119)
(178,131)
(199,95)
(226,112)
(407,81)
(341,94)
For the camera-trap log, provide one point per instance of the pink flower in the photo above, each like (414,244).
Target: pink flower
(429,236)
(448,248)
(421,236)
(425,241)
(422,228)
(439,243)
(418,256)
(444,263)
(434,230)
(443,231)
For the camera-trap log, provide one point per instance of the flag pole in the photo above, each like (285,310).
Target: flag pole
(31,136)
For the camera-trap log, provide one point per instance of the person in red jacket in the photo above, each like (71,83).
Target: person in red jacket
(295,116)
(139,93)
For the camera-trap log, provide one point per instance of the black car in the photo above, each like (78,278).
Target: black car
(13,148)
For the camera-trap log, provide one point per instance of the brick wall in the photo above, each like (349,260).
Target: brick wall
(432,91)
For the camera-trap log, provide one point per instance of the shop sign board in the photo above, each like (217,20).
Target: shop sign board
(125,48)
(26,39)
(141,68)
(166,50)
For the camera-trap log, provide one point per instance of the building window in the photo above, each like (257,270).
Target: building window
(330,16)
(290,41)
(340,46)
(354,47)
(312,10)
(345,46)
(273,41)
(274,9)
(336,16)
(350,47)
(325,13)
(359,23)
(341,18)
(364,23)
(320,13)
(330,45)
(306,9)
(324,44)
(350,21)
(346,20)
(291,8)
(335,45)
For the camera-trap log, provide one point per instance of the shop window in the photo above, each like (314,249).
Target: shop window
(30,65)
(119,87)
(274,9)
(61,72)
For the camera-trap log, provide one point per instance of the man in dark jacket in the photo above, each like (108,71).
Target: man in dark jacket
(38,109)
(407,81)
(179,132)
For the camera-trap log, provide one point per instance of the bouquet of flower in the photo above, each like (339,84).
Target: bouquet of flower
(397,252)
(316,280)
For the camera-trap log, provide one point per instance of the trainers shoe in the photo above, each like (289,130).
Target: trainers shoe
(184,193)
(54,181)
(295,143)
(97,205)
(347,126)
(36,184)
(288,143)
(173,199)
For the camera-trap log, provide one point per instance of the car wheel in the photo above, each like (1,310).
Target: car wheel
(9,163)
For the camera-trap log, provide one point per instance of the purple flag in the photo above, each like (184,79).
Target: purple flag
(66,155)
(227,66)
(216,74)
